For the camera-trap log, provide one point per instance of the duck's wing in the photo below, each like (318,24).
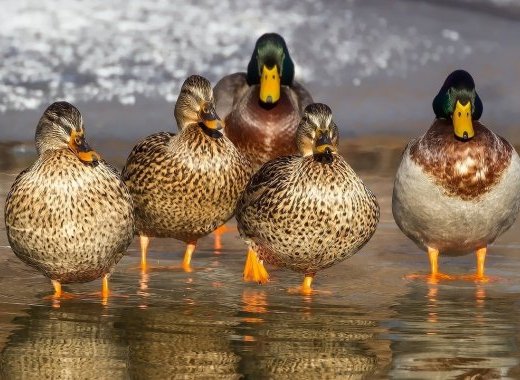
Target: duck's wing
(227,91)
(303,96)
(145,152)
(261,190)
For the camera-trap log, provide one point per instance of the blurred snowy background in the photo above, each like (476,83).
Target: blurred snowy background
(378,64)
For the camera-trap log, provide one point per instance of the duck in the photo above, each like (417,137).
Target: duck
(69,215)
(262,107)
(309,211)
(186,185)
(457,187)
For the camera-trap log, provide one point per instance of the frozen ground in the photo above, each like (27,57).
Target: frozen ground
(378,57)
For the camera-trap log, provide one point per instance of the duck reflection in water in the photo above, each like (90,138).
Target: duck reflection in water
(275,340)
(76,341)
(453,332)
(183,340)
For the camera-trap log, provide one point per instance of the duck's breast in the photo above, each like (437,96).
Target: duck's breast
(264,132)
(70,220)
(319,214)
(461,211)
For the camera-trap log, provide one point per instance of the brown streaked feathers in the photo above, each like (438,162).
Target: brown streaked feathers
(261,132)
(466,169)
(186,185)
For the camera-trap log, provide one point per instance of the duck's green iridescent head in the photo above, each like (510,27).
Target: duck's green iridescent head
(459,102)
(196,105)
(317,133)
(61,126)
(271,67)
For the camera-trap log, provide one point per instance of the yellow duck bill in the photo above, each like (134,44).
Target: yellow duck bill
(270,85)
(462,123)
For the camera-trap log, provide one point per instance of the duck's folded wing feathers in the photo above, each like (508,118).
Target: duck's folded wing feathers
(227,91)
(304,97)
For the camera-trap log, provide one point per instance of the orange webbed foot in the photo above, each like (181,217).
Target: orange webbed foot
(59,293)
(479,278)
(306,289)
(431,278)
(62,296)
(254,270)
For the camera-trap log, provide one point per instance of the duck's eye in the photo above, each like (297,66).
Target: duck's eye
(459,114)
(77,140)
(467,114)
(266,76)
(273,76)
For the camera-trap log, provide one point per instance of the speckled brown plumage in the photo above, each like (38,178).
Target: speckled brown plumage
(186,185)
(306,215)
(261,132)
(71,220)
(474,166)
(308,212)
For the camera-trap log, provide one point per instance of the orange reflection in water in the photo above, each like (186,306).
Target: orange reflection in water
(143,287)
(433,294)
(255,302)
(433,291)
(480,301)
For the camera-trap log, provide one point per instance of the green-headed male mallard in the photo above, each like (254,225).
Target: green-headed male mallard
(186,185)
(458,186)
(69,215)
(262,108)
(306,212)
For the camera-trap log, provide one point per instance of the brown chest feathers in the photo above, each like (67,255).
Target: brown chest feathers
(466,169)
(264,133)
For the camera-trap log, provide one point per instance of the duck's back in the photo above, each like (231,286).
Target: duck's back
(185,185)
(305,214)
(70,220)
(261,132)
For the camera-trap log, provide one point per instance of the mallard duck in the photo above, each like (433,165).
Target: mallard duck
(69,215)
(186,185)
(458,186)
(262,108)
(306,212)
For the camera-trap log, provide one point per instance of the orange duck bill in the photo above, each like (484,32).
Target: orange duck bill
(80,147)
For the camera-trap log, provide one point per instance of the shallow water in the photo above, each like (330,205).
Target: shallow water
(367,322)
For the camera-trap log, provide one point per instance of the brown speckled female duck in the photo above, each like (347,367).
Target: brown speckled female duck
(306,212)
(69,215)
(185,186)
(458,186)
(262,108)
